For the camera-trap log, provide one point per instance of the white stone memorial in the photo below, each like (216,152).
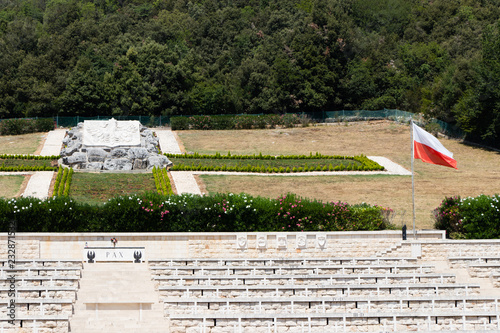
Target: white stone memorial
(111,133)
(113,145)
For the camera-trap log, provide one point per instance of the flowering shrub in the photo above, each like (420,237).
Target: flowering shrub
(153,212)
(471,217)
(481,216)
(447,217)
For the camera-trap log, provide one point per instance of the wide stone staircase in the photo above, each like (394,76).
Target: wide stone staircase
(117,297)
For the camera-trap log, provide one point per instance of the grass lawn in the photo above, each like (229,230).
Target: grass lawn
(97,188)
(10,185)
(478,168)
(21,144)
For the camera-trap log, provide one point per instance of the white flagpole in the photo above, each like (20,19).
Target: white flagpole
(413,178)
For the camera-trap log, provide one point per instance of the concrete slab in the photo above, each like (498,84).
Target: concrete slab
(53,142)
(39,184)
(185,182)
(168,143)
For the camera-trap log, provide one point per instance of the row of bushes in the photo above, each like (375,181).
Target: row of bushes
(153,212)
(27,168)
(269,169)
(260,156)
(162,181)
(471,217)
(62,184)
(25,125)
(227,122)
(28,157)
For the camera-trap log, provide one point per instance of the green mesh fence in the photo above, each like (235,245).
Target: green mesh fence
(149,121)
(319,116)
(390,114)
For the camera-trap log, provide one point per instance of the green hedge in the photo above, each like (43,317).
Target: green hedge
(226,122)
(162,182)
(25,125)
(183,213)
(471,217)
(271,164)
(28,157)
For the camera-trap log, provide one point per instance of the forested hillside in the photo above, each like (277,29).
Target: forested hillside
(170,57)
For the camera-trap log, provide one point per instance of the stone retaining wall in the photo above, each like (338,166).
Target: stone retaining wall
(204,245)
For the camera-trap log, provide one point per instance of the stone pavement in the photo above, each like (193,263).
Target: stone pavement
(53,142)
(168,143)
(39,184)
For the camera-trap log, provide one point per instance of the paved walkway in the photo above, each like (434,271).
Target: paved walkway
(185,182)
(53,142)
(168,143)
(39,184)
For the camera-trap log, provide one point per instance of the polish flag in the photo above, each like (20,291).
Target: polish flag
(427,148)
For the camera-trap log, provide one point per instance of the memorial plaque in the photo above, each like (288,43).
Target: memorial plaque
(301,241)
(261,242)
(111,133)
(241,242)
(100,254)
(281,242)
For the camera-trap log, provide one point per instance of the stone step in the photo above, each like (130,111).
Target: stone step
(121,326)
(118,297)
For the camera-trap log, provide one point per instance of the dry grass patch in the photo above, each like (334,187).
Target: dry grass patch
(478,168)
(21,144)
(11,186)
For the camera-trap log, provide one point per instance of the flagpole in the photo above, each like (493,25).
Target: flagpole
(413,178)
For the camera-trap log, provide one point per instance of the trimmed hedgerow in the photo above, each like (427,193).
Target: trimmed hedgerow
(57,182)
(471,217)
(28,157)
(270,163)
(162,181)
(153,212)
(27,163)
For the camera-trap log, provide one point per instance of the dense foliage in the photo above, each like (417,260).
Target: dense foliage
(174,57)
(227,122)
(181,213)
(23,126)
(472,217)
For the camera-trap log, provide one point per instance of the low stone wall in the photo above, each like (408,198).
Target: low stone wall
(206,245)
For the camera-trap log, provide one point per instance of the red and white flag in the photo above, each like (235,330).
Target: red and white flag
(427,148)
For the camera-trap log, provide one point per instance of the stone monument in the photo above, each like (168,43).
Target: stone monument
(112,145)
